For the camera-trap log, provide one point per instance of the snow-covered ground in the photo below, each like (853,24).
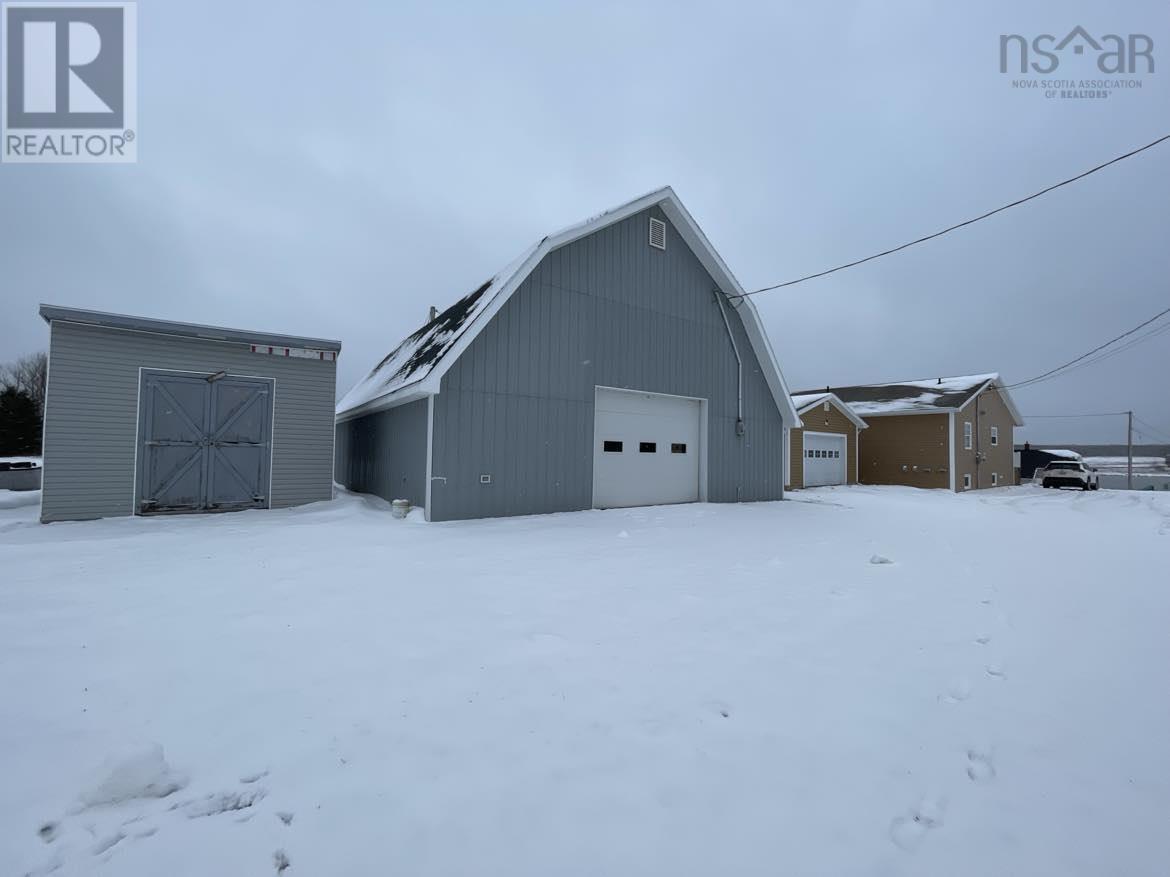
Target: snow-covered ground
(1119,464)
(684,690)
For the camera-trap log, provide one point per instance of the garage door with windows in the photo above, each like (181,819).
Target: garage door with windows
(825,459)
(646,449)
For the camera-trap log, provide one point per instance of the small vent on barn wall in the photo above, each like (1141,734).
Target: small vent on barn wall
(657,233)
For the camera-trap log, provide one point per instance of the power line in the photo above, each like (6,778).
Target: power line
(1096,349)
(967,222)
(1101,357)
(1158,433)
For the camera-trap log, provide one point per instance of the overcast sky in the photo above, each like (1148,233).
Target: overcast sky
(334,169)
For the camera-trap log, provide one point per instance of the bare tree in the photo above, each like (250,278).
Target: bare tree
(28,375)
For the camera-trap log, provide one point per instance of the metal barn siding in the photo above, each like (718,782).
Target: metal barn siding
(607,310)
(385,453)
(91,415)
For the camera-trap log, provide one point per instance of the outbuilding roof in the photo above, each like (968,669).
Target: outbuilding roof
(415,367)
(187,330)
(922,396)
(806,401)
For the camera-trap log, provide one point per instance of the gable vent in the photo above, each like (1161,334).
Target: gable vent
(657,233)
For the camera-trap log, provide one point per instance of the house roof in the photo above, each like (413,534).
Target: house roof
(922,396)
(806,401)
(415,367)
(187,330)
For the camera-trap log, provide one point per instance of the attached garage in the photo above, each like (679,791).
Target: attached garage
(646,449)
(154,417)
(825,459)
(823,452)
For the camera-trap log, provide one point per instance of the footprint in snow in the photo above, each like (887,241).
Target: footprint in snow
(223,802)
(108,843)
(996,671)
(983,639)
(879,560)
(957,692)
(908,830)
(980,767)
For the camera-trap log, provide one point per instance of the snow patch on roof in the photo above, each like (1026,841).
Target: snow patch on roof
(413,359)
(803,400)
(1063,453)
(941,394)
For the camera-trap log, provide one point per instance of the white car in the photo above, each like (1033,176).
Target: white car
(1069,473)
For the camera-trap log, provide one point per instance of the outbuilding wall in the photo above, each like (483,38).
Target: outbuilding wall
(607,310)
(91,415)
(385,453)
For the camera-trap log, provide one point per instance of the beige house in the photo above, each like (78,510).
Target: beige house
(824,450)
(952,433)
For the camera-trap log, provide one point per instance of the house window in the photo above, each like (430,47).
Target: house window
(967,481)
(995,479)
(678,447)
(611,447)
(647,447)
(994,436)
(967,435)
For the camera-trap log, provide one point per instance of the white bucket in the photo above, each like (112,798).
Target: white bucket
(400,508)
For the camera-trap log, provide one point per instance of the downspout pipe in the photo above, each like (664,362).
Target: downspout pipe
(739,427)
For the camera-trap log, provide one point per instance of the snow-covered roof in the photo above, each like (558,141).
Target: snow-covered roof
(921,396)
(1063,453)
(416,366)
(805,401)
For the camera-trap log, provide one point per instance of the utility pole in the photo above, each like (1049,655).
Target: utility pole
(1129,451)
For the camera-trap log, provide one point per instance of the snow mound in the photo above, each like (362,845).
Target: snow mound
(141,773)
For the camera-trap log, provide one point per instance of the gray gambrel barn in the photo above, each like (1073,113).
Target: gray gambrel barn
(614,363)
(150,416)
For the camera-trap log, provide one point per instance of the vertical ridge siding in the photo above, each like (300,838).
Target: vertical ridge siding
(385,453)
(91,416)
(607,310)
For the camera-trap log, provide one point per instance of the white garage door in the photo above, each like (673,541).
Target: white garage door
(645,449)
(824,459)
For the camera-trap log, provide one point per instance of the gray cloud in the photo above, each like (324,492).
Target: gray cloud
(335,172)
